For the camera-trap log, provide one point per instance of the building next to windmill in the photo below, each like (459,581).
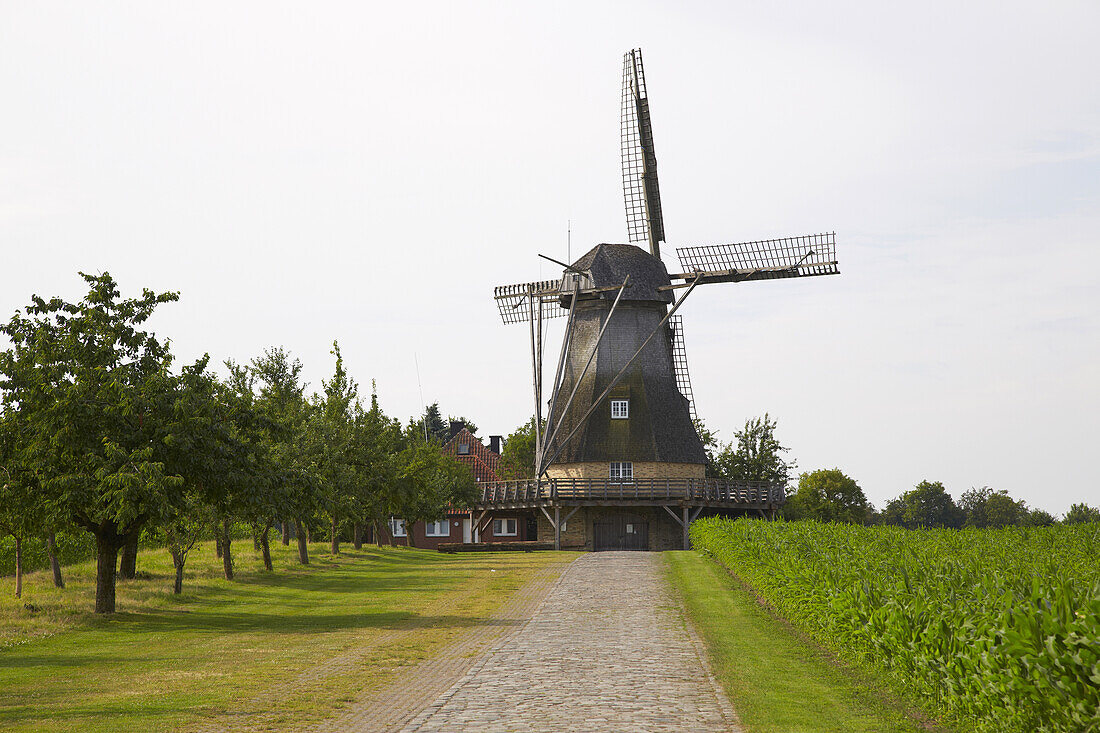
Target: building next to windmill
(619,462)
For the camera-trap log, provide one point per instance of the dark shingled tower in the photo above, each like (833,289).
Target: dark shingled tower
(659,427)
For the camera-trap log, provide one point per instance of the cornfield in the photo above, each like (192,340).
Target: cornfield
(996,630)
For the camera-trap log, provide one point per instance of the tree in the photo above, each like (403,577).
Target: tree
(329,436)
(87,380)
(282,405)
(517,458)
(756,455)
(434,483)
(182,529)
(827,495)
(1002,510)
(377,440)
(927,505)
(437,430)
(1081,513)
(22,509)
(465,421)
(1039,518)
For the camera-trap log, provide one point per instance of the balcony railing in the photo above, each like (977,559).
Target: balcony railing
(693,490)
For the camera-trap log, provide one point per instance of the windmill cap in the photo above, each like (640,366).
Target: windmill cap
(608,265)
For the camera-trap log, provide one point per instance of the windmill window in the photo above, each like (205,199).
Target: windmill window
(397,527)
(622,471)
(442,528)
(620,409)
(463,449)
(504,527)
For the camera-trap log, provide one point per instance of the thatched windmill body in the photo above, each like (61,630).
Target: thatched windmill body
(619,408)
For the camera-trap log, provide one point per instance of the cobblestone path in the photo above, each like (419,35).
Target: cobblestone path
(608,650)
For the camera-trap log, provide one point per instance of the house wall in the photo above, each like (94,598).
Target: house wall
(642,470)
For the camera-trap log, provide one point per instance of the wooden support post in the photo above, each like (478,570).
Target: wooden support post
(557,527)
(687,526)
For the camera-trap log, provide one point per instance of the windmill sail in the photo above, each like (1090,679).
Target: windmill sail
(680,362)
(644,221)
(769,259)
(512,300)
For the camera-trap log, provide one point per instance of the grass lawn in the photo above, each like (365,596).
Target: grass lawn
(777,681)
(241,654)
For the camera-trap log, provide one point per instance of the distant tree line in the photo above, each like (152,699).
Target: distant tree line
(101,433)
(828,495)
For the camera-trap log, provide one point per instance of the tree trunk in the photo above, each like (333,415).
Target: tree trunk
(334,536)
(178,559)
(106,563)
(55,566)
(303,544)
(265,547)
(217,540)
(127,565)
(286,533)
(255,538)
(357,536)
(18,567)
(227,557)
(409,539)
(378,535)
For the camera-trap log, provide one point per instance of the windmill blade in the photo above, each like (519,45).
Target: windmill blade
(768,259)
(512,300)
(644,220)
(680,363)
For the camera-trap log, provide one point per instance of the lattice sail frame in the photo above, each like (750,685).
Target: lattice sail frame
(641,192)
(813,254)
(512,300)
(680,363)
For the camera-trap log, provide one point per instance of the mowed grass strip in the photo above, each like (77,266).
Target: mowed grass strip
(266,650)
(777,681)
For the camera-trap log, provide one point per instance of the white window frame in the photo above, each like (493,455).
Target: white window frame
(621,472)
(397,527)
(433,529)
(499,526)
(620,409)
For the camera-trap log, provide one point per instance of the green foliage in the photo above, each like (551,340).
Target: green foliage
(756,455)
(994,628)
(926,505)
(72,546)
(985,507)
(517,458)
(1081,514)
(827,495)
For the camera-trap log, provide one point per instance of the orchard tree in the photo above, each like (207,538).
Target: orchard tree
(86,379)
(283,407)
(434,483)
(377,442)
(329,436)
(827,495)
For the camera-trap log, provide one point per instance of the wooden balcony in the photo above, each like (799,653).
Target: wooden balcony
(590,492)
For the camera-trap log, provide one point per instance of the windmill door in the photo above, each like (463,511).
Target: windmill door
(621,532)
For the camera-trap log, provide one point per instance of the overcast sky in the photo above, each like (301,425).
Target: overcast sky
(368,172)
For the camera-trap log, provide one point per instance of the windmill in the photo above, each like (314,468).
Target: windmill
(620,405)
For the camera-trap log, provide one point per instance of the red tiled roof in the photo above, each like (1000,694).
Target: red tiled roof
(484,464)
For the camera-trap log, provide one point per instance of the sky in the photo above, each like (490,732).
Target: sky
(367,172)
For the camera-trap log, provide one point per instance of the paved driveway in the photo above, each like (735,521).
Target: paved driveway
(607,650)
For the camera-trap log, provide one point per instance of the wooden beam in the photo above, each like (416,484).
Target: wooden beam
(557,527)
(672,514)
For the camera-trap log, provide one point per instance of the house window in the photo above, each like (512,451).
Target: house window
(620,409)
(442,528)
(622,471)
(463,449)
(504,527)
(397,527)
